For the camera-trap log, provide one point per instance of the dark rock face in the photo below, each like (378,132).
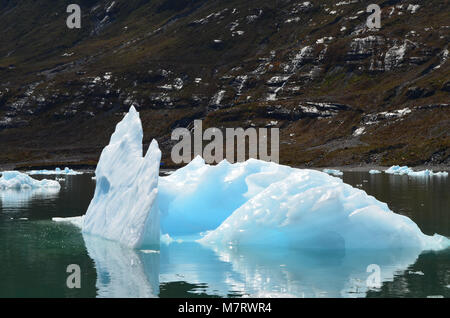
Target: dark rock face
(418,92)
(446,87)
(313,69)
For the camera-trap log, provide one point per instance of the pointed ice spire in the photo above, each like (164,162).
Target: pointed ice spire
(124,206)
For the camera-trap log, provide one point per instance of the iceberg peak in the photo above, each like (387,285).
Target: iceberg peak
(123,208)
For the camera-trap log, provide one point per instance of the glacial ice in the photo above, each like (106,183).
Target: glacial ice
(333,172)
(76,220)
(57,171)
(200,197)
(309,209)
(428,173)
(373,171)
(15,180)
(260,203)
(244,204)
(397,170)
(124,206)
(18,189)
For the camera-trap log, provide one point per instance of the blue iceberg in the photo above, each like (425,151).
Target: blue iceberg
(397,170)
(333,172)
(15,180)
(57,171)
(253,203)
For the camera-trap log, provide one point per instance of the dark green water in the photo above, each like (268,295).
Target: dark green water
(35,253)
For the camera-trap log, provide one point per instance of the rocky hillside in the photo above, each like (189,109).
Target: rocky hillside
(340,93)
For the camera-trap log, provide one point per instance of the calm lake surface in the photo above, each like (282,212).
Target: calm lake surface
(35,253)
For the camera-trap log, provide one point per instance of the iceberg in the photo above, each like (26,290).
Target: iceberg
(333,172)
(15,180)
(199,197)
(373,171)
(397,170)
(243,204)
(76,221)
(261,203)
(309,209)
(18,189)
(124,206)
(428,173)
(57,171)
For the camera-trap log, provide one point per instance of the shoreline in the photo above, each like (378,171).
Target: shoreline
(90,167)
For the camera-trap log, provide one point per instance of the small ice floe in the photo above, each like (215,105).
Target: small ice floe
(428,173)
(397,170)
(149,251)
(77,221)
(60,179)
(374,171)
(57,171)
(15,180)
(94,178)
(333,172)
(166,239)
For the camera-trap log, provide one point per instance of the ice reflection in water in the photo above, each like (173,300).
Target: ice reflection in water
(18,199)
(122,272)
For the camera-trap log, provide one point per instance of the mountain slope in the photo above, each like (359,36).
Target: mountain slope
(339,92)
